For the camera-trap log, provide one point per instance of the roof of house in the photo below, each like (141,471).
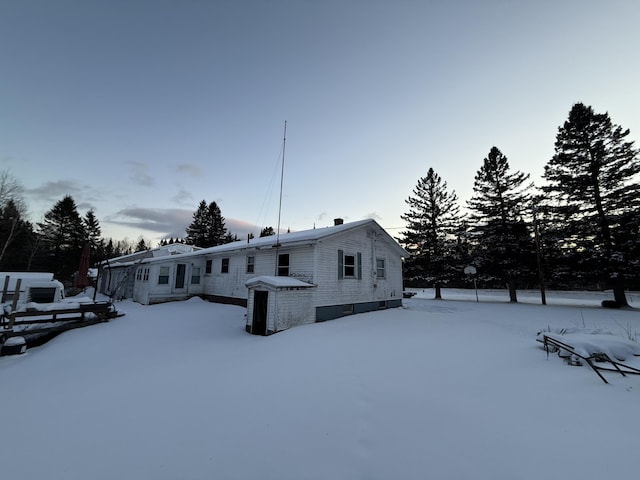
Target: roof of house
(287,239)
(161,251)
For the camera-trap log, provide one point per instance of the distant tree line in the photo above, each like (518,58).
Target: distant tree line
(579,229)
(56,244)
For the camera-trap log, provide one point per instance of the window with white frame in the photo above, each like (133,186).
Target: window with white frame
(195,276)
(145,275)
(225,266)
(283,265)
(349,265)
(208,266)
(163,277)
(380,268)
(251,262)
(139,274)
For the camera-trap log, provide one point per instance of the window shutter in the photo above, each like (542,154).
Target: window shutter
(359,266)
(340,264)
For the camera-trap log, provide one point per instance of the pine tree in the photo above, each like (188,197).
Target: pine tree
(218,230)
(593,184)
(93,235)
(14,233)
(109,249)
(267,232)
(64,236)
(92,227)
(433,220)
(198,230)
(230,238)
(207,228)
(141,246)
(501,243)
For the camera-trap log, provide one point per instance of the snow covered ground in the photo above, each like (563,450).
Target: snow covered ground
(439,389)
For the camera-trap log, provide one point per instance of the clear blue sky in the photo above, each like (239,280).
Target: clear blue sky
(142,108)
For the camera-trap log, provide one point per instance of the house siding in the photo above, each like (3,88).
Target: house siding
(367,288)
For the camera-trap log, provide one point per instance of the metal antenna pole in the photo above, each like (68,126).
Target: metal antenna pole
(284,144)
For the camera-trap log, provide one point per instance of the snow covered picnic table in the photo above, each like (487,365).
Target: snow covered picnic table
(593,347)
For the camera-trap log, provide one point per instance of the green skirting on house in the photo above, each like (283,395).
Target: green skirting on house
(336,311)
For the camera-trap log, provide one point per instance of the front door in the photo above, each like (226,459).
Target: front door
(260,302)
(180,270)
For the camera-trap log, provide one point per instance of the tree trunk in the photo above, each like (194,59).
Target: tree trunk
(618,291)
(438,290)
(513,297)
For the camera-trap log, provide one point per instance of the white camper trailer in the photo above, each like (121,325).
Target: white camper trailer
(31,287)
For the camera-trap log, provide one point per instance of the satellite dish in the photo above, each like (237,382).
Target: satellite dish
(470,270)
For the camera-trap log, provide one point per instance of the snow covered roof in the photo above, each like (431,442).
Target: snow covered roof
(27,278)
(162,251)
(278,282)
(289,239)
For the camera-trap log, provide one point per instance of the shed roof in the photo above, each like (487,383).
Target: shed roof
(277,282)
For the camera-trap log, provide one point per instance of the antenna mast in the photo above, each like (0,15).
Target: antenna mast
(284,144)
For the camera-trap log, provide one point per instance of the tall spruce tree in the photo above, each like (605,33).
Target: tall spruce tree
(207,228)
(594,191)
(93,235)
(92,227)
(218,229)
(63,235)
(198,230)
(501,244)
(433,221)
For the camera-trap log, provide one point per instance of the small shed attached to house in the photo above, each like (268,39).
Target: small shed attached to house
(277,303)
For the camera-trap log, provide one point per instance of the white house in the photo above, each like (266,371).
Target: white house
(117,275)
(308,276)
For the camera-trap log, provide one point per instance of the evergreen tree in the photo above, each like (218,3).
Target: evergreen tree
(267,232)
(93,233)
(199,229)
(15,237)
(207,228)
(92,227)
(141,246)
(230,237)
(63,236)
(594,189)
(218,229)
(501,244)
(109,249)
(433,221)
